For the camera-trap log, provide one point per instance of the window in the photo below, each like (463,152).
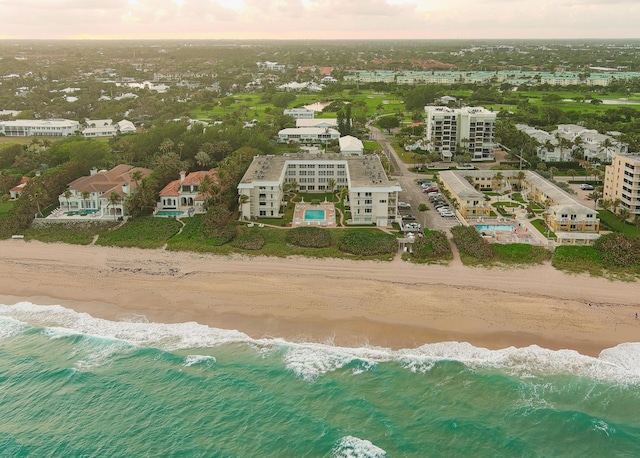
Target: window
(383,201)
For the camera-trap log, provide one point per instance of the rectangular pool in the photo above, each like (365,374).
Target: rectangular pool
(169,213)
(495,227)
(314,215)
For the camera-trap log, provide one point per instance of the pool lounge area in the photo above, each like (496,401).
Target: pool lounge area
(308,214)
(506,231)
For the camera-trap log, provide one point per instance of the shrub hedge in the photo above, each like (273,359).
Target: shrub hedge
(309,237)
(470,243)
(434,246)
(249,241)
(368,243)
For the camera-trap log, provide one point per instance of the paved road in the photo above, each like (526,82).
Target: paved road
(411,191)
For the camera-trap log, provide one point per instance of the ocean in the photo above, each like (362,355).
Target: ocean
(75,386)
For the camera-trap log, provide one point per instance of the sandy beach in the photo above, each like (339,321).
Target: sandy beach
(350,303)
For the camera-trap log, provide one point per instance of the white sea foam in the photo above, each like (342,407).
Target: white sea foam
(354,447)
(310,360)
(10,327)
(192,360)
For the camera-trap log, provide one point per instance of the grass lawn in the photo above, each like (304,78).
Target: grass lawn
(614,223)
(520,253)
(539,225)
(5,208)
(578,259)
(142,232)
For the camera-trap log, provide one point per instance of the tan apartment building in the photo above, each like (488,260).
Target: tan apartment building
(622,181)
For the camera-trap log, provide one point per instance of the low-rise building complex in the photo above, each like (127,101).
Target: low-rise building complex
(372,196)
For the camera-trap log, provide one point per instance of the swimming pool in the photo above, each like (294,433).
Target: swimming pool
(314,215)
(495,227)
(169,213)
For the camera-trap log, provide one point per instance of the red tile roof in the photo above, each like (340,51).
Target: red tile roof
(193,179)
(107,181)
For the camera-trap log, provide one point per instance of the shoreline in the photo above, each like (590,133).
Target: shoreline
(347,303)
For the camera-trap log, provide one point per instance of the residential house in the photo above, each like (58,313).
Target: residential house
(15,192)
(185,194)
(91,194)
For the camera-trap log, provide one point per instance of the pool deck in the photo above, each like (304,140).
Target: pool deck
(329,214)
(524,232)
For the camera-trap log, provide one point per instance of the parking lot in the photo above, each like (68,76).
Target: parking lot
(412,194)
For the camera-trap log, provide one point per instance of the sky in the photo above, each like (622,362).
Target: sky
(318,19)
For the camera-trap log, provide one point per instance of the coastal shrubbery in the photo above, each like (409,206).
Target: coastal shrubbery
(249,241)
(368,243)
(309,237)
(74,232)
(475,250)
(471,244)
(434,246)
(618,250)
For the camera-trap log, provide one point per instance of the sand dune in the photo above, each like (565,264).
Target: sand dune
(350,303)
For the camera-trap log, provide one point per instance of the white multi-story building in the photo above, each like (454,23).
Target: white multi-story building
(308,134)
(372,197)
(300,113)
(592,144)
(451,131)
(39,128)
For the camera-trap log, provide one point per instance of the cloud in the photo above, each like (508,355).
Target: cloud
(289,19)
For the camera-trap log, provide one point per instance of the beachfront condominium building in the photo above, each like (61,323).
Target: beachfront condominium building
(622,182)
(460,131)
(372,196)
(468,200)
(39,128)
(572,222)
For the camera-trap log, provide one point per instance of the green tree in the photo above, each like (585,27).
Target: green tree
(388,122)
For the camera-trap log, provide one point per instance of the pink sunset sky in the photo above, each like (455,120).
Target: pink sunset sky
(318,19)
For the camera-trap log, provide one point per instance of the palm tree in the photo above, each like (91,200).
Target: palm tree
(606,204)
(331,184)
(595,196)
(498,178)
(85,198)
(615,204)
(572,174)
(343,193)
(520,176)
(67,195)
(114,199)
(136,176)
(624,214)
(242,199)
(553,171)
(203,159)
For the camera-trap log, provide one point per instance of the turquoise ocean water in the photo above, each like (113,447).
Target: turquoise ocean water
(75,386)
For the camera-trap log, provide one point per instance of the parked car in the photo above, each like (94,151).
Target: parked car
(404,206)
(408,218)
(586,187)
(429,190)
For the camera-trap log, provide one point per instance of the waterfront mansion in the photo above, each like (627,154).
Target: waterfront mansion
(372,196)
